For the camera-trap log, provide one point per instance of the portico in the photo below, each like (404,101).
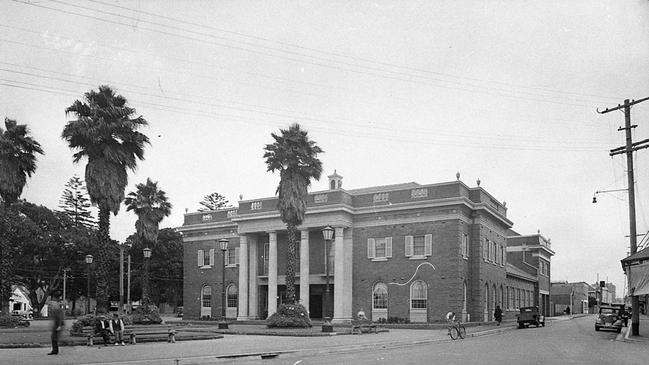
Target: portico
(262,258)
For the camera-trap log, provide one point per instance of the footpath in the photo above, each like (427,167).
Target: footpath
(258,342)
(644,332)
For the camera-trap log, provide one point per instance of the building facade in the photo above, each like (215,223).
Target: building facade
(405,251)
(574,296)
(532,254)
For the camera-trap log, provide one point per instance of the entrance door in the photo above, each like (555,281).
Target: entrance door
(315,305)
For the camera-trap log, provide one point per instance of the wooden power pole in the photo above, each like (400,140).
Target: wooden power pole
(628,149)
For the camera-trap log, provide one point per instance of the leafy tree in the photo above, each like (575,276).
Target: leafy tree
(166,285)
(12,232)
(294,155)
(150,204)
(76,203)
(17,159)
(213,201)
(105,132)
(48,243)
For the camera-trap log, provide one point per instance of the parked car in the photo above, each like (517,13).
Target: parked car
(528,316)
(609,317)
(624,313)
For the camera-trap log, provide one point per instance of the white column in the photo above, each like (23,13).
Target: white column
(253,288)
(243,278)
(348,255)
(304,268)
(272,273)
(339,276)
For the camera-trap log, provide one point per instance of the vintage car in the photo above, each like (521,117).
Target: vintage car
(625,313)
(609,317)
(528,316)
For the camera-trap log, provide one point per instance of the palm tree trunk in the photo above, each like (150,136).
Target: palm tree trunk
(102,261)
(290,264)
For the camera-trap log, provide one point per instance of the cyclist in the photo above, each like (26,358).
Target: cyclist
(450,318)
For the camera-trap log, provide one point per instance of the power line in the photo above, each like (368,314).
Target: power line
(499,92)
(343,55)
(366,134)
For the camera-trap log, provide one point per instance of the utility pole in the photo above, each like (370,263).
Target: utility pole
(628,149)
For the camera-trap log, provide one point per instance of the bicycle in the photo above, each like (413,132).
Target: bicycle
(456,330)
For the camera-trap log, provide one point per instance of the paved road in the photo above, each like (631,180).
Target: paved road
(561,342)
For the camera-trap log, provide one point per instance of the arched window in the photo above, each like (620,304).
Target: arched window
(380,296)
(206,297)
(501,298)
(379,302)
(233,296)
(206,301)
(418,295)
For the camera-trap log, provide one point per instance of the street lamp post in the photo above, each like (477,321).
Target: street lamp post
(128,283)
(224,248)
(89,262)
(145,277)
(327,234)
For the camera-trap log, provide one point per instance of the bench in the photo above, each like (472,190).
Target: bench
(131,332)
(360,326)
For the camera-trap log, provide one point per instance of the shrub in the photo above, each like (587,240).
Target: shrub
(146,314)
(9,321)
(398,320)
(289,316)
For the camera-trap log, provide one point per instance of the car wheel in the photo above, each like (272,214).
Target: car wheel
(520,325)
(596,328)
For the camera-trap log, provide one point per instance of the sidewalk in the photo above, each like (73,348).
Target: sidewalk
(644,332)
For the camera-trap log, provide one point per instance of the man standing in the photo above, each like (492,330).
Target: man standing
(56,313)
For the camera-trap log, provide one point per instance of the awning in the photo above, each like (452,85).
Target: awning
(639,279)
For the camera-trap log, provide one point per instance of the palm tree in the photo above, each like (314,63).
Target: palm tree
(295,157)
(17,159)
(151,206)
(105,132)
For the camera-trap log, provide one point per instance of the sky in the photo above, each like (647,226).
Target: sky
(506,92)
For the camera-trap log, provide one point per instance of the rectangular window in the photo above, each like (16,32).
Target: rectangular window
(206,258)
(485,250)
(379,248)
(232,256)
(419,246)
(465,245)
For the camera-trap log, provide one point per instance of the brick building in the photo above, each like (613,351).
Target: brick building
(532,254)
(408,250)
(570,295)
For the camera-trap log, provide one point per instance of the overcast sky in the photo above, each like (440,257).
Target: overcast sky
(501,91)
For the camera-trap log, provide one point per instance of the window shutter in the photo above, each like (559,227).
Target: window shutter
(371,248)
(388,246)
(236,255)
(200,258)
(211,257)
(428,242)
(409,248)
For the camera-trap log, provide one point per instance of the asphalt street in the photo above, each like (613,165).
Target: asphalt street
(560,342)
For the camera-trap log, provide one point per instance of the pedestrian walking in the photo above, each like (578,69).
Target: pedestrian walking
(117,325)
(498,315)
(56,313)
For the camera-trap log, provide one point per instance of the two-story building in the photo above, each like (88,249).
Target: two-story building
(529,273)
(408,250)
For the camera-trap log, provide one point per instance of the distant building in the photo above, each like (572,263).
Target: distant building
(565,295)
(408,251)
(531,254)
